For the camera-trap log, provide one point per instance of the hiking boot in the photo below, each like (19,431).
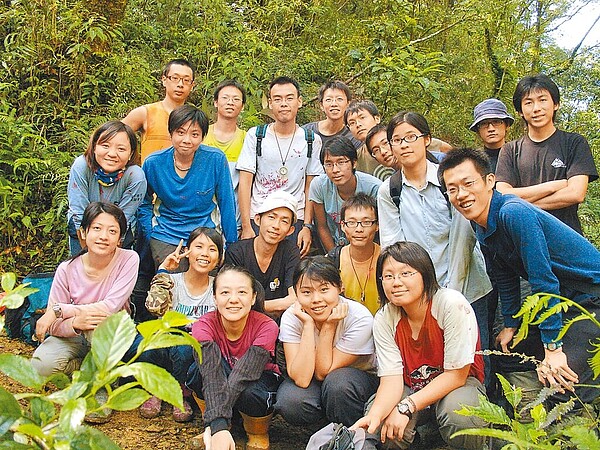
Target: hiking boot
(185,414)
(104,414)
(151,408)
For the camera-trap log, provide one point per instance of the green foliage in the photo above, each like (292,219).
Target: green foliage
(56,420)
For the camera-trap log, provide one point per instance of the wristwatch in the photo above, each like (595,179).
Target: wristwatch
(404,409)
(310,226)
(551,346)
(57,310)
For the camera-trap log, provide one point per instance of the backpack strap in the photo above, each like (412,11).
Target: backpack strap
(261,132)
(309,135)
(396,186)
(334,254)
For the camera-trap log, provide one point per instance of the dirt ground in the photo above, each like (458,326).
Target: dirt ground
(130,431)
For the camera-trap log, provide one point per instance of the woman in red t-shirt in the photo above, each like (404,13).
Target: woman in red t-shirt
(425,338)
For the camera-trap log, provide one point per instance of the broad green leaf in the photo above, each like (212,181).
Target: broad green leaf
(128,400)
(32,430)
(158,382)
(71,415)
(513,394)
(10,411)
(89,438)
(150,327)
(112,339)
(72,392)
(171,340)
(20,369)
(12,445)
(8,281)
(59,379)
(583,438)
(12,300)
(88,369)
(174,319)
(42,410)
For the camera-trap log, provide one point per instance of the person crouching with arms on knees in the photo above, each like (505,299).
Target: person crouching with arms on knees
(426,338)
(86,289)
(329,350)
(237,371)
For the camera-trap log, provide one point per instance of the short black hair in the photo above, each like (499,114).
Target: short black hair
(284,80)
(236,84)
(257,288)
(372,132)
(335,84)
(319,268)
(339,146)
(415,256)
(211,234)
(535,83)
(358,105)
(410,117)
(457,156)
(359,200)
(94,209)
(106,132)
(187,113)
(179,62)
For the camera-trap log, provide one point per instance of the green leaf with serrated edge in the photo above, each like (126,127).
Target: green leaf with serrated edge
(127,400)
(594,361)
(20,369)
(175,319)
(567,324)
(8,281)
(42,410)
(10,411)
(72,392)
(582,438)
(31,429)
(89,438)
(158,382)
(558,411)
(512,393)
(71,415)
(505,435)
(538,414)
(170,340)
(112,339)
(148,328)
(487,411)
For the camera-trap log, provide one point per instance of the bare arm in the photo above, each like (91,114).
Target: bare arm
(533,193)
(244,193)
(572,194)
(278,305)
(304,236)
(300,357)
(320,217)
(137,119)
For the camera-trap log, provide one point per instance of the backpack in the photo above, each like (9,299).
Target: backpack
(334,254)
(396,183)
(261,132)
(20,322)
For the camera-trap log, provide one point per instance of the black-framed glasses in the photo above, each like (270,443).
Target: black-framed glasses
(176,80)
(409,139)
(362,223)
(493,122)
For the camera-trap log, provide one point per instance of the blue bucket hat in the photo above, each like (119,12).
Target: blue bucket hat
(492,108)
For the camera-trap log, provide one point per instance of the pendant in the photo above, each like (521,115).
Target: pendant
(283,171)
(362,297)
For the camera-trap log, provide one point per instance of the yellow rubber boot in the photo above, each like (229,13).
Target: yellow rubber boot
(257,429)
(197,441)
(200,402)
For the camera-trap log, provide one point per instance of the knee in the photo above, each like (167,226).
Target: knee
(47,365)
(299,406)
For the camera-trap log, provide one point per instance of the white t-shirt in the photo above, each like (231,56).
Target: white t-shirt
(292,151)
(456,319)
(353,334)
(192,306)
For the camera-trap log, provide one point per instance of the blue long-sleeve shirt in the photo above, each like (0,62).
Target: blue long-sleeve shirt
(525,241)
(183,204)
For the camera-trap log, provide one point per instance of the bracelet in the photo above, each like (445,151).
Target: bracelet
(411,401)
(310,226)
(162,271)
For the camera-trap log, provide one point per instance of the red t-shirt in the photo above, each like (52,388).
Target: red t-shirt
(423,358)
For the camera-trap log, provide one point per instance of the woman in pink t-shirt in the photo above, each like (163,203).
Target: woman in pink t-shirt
(86,290)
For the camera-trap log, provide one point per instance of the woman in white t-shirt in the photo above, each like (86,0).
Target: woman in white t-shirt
(190,293)
(329,352)
(426,338)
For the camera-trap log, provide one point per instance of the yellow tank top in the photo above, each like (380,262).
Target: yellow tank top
(231,148)
(359,279)
(156,137)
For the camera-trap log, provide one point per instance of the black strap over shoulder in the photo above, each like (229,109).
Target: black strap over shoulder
(261,132)
(396,184)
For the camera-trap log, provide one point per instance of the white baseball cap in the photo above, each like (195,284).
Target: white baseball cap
(279,199)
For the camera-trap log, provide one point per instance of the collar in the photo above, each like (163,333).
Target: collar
(492,219)
(430,178)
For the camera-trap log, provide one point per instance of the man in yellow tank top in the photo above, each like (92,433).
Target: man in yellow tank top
(178,81)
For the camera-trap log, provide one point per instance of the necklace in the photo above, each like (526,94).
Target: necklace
(179,168)
(363,288)
(283,171)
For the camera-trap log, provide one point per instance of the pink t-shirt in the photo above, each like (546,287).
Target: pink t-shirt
(260,331)
(72,286)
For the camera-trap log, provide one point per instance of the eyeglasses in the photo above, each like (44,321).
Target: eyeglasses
(338,164)
(466,186)
(362,223)
(227,99)
(409,139)
(493,122)
(390,277)
(176,80)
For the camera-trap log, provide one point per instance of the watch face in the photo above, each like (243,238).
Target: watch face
(403,408)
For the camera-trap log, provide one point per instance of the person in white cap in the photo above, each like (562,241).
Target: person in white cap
(269,256)
(491,122)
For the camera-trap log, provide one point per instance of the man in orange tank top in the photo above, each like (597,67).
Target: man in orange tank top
(178,81)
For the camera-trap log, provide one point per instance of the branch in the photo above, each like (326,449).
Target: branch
(575,51)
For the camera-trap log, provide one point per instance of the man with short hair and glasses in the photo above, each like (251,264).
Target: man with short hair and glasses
(340,181)
(178,80)
(491,122)
(357,260)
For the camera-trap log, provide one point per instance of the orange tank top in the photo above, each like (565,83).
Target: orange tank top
(156,137)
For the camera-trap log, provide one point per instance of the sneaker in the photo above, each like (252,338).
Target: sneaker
(151,408)
(185,414)
(104,414)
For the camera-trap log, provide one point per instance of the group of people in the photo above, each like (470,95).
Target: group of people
(429,253)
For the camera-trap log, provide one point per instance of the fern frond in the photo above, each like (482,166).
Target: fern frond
(558,411)
(487,411)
